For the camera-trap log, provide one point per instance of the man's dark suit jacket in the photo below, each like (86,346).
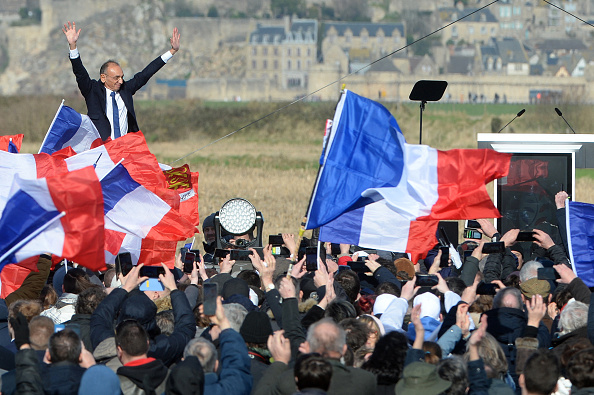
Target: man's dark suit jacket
(94,93)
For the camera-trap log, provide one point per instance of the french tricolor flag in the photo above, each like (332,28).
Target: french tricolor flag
(375,190)
(69,129)
(131,208)
(70,205)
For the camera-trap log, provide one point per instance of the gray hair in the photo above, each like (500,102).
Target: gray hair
(329,338)
(204,350)
(235,313)
(573,316)
(529,270)
(508,297)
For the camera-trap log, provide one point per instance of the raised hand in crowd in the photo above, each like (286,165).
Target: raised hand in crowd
(415,318)
(469,293)
(201,271)
(409,289)
(478,251)
(441,286)
(371,262)
(330,294)
(566,274)
(487,227)
(542,239)
(299,269)
(132,279)
(321,275)
(289,241)
(537,309)
(286,288)
(510,237)
(226,264)
(167,279)
(279,347)
(462,319)
(560,198)
(265,267)
(475,339)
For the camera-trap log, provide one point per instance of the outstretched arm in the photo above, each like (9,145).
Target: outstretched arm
(71,34)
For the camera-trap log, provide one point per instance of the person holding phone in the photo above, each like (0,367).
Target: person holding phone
(128,302)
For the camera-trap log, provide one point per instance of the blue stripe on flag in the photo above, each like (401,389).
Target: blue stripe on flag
(21,216)
(365,152)
(12,148)
(346,229)
(65,126)
(581,235)
(116,184)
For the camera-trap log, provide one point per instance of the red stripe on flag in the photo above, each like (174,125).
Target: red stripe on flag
(49,166)
(12,277)
(421,238)
(462,175)
(79,194)
(156,251)
(17,139)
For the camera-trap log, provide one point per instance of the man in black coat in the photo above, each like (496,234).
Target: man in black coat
(111,94)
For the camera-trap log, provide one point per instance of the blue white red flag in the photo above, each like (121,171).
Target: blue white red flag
(580,239)
(69,129)
(131,208)
(78,235)
(375,190)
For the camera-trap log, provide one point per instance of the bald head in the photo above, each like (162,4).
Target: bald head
(327,338)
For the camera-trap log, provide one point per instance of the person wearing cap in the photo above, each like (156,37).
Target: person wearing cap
(209,234)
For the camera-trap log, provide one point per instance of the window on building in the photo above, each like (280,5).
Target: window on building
(265,51)
(264,64)
(298,65)
(288,65)
(483,30)
(288,51)
(254,51)
(276,64)
(275,51)
(298,51)
(454,31)
(254,64)
(293,82)
(308,52)
(471,30)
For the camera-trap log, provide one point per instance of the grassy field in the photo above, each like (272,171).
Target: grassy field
(273,163)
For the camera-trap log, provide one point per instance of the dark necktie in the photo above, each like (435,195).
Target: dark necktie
(116,117)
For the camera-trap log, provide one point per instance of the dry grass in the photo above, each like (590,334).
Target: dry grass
(273,163)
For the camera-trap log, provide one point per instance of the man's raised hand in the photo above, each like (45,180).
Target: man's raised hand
(71,34)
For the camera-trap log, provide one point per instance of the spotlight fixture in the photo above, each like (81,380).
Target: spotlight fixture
(235,218)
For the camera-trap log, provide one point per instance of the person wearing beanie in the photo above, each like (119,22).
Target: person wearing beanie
(209,234)
(255,330)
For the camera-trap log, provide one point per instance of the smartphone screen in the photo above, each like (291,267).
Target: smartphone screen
(197,252)
(220,253)
(210,293)
(189,260)
(426,280)
(275,240)
(311,259)
(471,223)
(486,289)
(472,234)
(491,248)
(445,256)
(123,263)
(525,236)
(151,271)
(547,273)
(240,255)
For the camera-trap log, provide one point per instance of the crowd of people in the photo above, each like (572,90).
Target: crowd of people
(361,322)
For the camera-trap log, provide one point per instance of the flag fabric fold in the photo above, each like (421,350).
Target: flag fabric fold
(77,236)
(185,183)
(375,190)
(131,208)
(580,238)
(69,129)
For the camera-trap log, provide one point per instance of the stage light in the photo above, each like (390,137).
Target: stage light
(237,216)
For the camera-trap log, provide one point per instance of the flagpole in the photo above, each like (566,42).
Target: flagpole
(52,124)
(34,234)
(304,221)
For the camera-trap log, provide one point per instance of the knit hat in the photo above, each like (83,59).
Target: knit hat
(99,379)
(256,327)
(421,378)
(235,286)
(382,302)
(535,286)
(430,305)
(208,221)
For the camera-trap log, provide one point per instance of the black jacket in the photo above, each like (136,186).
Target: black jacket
(168,349)
(95,95)
(149,377)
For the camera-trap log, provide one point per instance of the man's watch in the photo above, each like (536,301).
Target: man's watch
(270,287)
